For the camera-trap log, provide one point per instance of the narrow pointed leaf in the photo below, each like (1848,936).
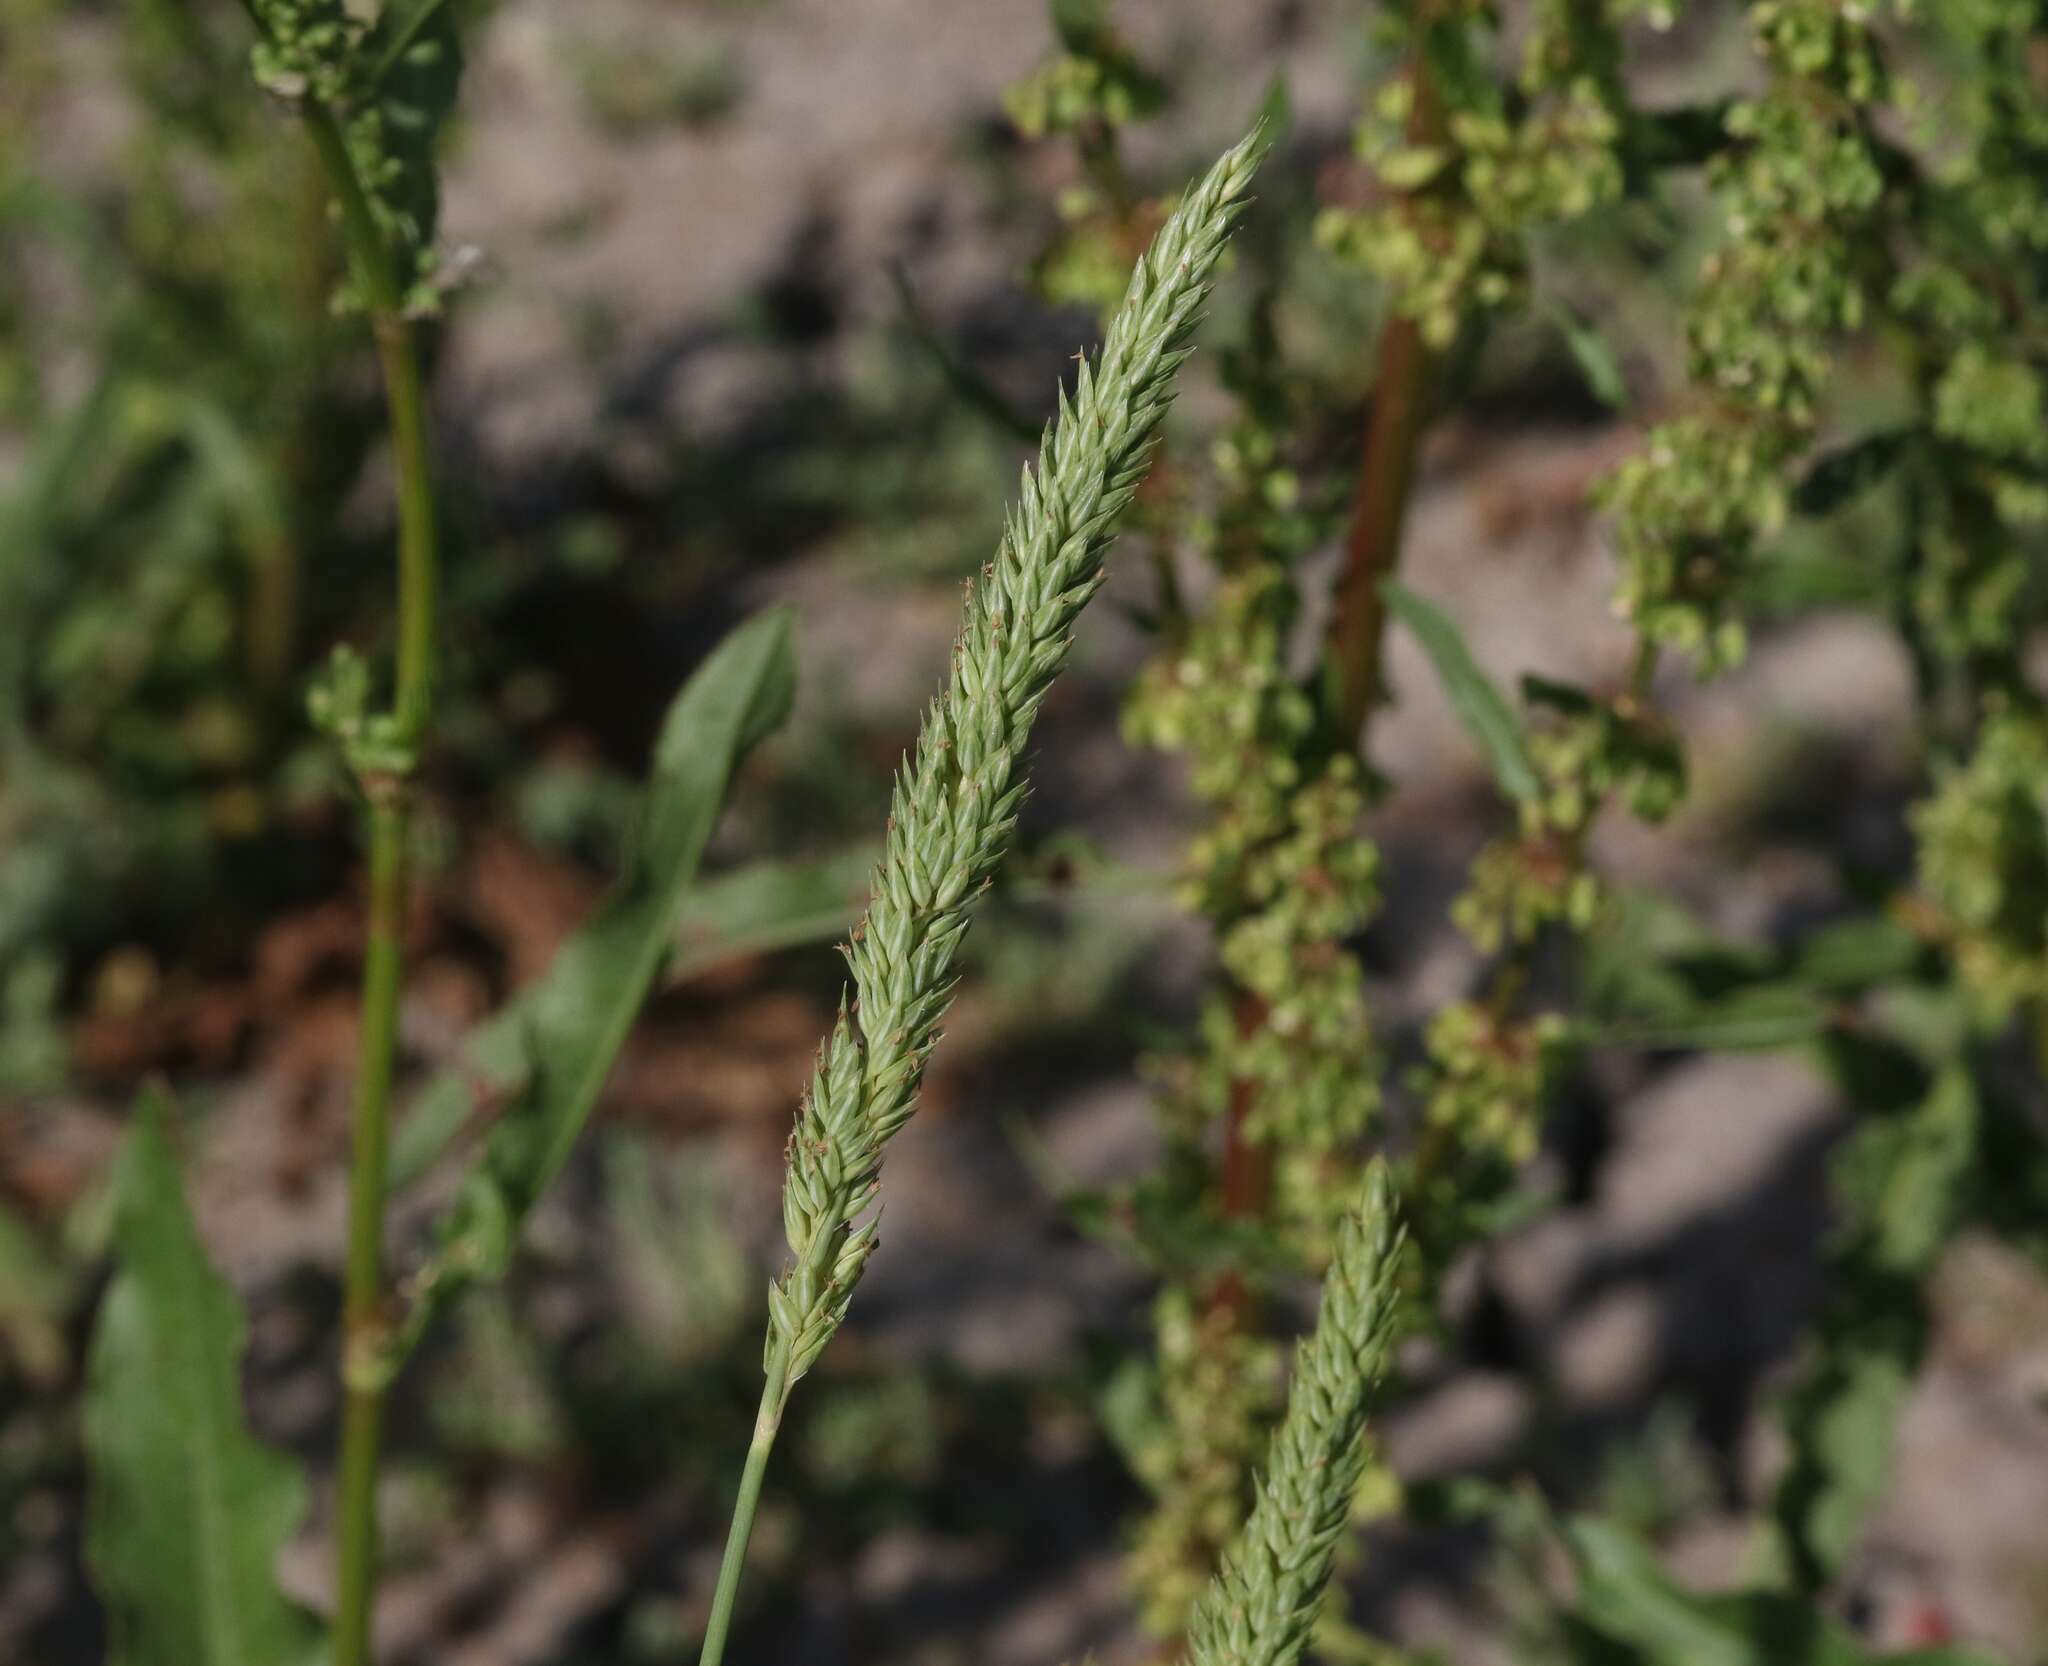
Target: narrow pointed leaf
(1478,704)
(1625,1597)
(554,1046)
(770,905)
(1594,355)
(1759,1017)
(187,1511)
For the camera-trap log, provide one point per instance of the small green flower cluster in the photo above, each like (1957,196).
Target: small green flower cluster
(1221,696)
(1974,516)
(1464,186)
(1279,866)
(1983,837)
(1588,752)
(308,49)
(1309,888)
(387,79)
(1086,263)
(1216,1390)
(342,706)
(1999,103)
(1091,88)
(1281,1057)
(1968,292)
(1517,886)
(1094,81)
(1282,872)
(1799,188)
(1482,1090)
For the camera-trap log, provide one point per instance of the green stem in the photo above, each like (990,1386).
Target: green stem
(362,1428)
(767,1424)
(363,1317)
(364,1320)
(413,694)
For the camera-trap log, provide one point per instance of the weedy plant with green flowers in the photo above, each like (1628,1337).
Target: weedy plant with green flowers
(1835,240)
(1843,224)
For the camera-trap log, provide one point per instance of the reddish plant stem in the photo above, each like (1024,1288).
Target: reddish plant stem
(1393,436)
(1401,393)
(1246,1170)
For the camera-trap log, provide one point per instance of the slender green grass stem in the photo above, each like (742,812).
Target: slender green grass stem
(363,1289)
(414,691)
(412,701)
(767,1424)
(362,1432)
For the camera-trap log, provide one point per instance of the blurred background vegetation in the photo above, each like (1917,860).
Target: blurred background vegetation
(752,300)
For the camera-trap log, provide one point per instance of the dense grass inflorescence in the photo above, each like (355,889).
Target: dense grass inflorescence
(956,800)
(1262,1605)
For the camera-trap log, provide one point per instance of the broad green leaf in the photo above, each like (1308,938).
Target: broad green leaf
(415,58)
(554,1046)
(1626,1597)
(1857,952)
(770,905)
(1476,701)
(1902,1180)
(1625,1594)
(187,1511)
